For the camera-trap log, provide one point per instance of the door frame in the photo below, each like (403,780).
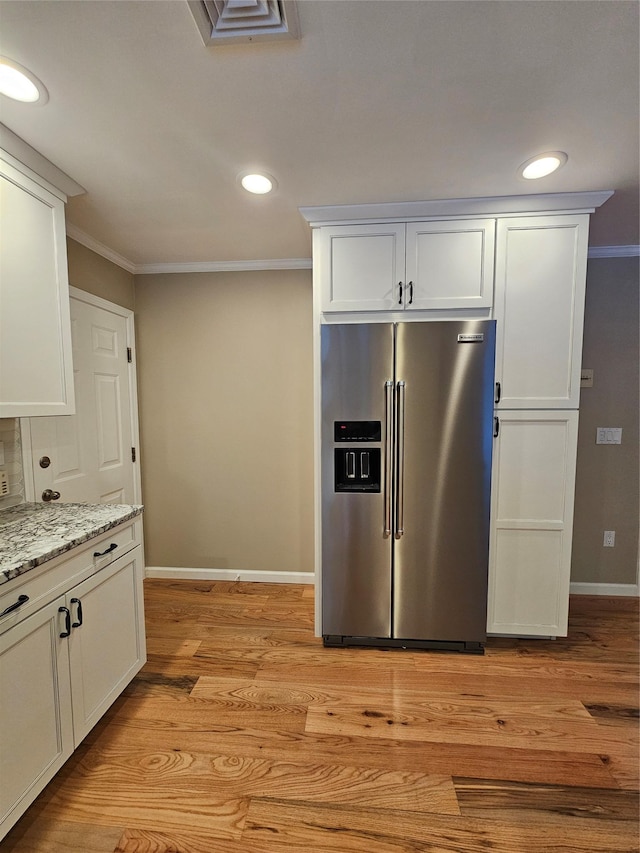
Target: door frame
(25,425)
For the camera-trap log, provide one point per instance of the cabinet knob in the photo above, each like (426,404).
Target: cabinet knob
(50,495)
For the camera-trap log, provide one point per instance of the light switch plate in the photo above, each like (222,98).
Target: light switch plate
(608,435)
(586,378)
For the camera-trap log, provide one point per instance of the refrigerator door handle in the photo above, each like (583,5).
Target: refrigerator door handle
(388,454)
(400,463)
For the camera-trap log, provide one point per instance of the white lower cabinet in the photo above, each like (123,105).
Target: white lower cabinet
(107,649)
(532,518)
(63,665)
(36,733)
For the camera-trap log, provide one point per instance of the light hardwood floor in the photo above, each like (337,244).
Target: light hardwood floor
(242,734)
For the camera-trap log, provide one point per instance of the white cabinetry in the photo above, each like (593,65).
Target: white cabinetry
(36,735)
(407,266)
(107,649)
(539,307)
(36,373)
(532,518)
(446,249)
(65,655)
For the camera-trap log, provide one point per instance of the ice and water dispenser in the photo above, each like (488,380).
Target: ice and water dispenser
(357,467)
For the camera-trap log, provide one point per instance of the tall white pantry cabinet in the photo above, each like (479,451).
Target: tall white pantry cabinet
(520,260)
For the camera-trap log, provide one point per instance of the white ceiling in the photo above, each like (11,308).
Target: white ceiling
(380,100)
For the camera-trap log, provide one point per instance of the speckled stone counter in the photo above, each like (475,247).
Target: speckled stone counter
(32,533)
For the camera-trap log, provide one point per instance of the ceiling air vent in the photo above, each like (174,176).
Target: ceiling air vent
(229,21)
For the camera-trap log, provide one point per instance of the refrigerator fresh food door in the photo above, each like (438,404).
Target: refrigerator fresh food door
(445,398)
(356,362)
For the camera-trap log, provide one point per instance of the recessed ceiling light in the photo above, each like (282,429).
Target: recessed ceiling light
(19,83)
(258,183)
(542,164)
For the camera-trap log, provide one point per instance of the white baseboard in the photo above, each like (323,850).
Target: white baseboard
(181,573)
(630,589)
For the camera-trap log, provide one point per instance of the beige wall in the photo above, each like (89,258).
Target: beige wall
(216,350)
(94,274)
(607,475)
(226,416)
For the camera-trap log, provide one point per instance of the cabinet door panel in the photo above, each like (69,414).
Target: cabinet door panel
(528,565)
(36,376)
(362,266)
(533,472)
(451,263)
(532,520)
(107,649)
(36,734)
(540,291)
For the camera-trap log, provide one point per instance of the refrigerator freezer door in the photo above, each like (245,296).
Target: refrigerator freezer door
(441,556)
(357,360)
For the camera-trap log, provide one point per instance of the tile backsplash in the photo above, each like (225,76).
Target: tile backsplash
(10,438)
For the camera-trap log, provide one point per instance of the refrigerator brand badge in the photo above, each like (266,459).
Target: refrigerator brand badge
(471,339)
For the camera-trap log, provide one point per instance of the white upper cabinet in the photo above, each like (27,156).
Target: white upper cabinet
(450,264)
(406,266)
(36,371)
(539,305)
(361,267)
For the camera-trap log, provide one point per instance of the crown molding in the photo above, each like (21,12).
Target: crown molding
(614,252)
(195,266)
(79,236)
(99,248)
(226,266)
(16,147)
(509,205)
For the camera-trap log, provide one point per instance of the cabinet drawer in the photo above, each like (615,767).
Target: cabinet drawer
(56,576)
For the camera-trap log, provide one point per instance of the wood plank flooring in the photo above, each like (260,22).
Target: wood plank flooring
(242,734)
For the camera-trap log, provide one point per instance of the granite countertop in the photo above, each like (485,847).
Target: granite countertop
(32,533)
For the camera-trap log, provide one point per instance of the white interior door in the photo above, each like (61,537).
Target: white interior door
(90,453)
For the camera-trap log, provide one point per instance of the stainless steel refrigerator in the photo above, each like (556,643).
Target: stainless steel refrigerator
(407,435)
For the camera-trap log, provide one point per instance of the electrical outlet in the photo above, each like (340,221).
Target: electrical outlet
(609,538)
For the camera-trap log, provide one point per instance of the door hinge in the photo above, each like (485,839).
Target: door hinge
(133,454)
(129,355)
